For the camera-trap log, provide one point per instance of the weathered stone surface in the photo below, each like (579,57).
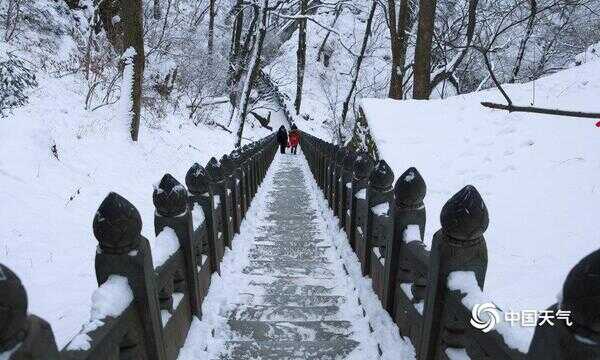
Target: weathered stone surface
(410,189)
(465,216)
(13,309)
(170,197)
(197,179)
(382,176)
(117,225)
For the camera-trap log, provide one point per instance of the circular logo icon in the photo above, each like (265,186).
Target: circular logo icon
(484,317)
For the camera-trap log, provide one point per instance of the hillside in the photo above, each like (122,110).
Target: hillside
(538,175)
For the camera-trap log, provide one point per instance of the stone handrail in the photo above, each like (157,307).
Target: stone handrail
(146,300)
(432,294)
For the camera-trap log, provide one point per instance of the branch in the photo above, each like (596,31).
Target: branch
(538,110)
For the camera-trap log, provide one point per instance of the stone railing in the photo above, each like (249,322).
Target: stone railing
(431,294)
(146,300)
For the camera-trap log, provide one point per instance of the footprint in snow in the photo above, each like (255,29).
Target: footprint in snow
(528,142)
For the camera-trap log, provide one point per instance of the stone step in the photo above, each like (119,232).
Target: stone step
(278,299)
(289,331)
(313,269)
(293,286)
(283,313)
(289,350)
(293,251)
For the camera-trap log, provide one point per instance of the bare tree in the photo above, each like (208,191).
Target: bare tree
(132,17)
(211,27)
(524,40)
(252,70)
(301,56)
(422,67)
(359,61)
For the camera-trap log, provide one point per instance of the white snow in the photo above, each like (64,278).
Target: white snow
(457,354)
(165,245)
(216,201)
(361,194)
(516,337)
(381,209)
(197,216)
(412,233)
(538,175)
(110,299)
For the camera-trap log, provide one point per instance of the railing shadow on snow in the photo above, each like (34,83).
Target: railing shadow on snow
(145,302)
(431,294)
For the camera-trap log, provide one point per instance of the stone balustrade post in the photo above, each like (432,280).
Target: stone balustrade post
(380,227)
(346,191)
(24,336)
(409,192)
(227,170)
(173,211)
(576,336)
(236,186)
(218,190)
(458,246)
(338,186)
(363,166)
(198,184)
(122,250)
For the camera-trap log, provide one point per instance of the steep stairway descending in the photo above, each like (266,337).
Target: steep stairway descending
(294,300)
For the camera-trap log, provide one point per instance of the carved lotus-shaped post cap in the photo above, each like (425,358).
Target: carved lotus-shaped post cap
(169,197)
(213,168)
(340,155)
(363,166)
(235,155)
(465,216)
(349,160)
(117,225)
(382,176)
(13,309)
(197,179)
(581,296)
(227,165)
(410,188)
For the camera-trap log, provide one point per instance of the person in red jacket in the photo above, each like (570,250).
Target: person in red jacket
(294,138)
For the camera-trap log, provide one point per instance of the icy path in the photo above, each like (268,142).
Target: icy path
(288,290)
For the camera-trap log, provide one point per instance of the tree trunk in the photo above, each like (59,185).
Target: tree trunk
(132,17)
(156,10)
(422,69)
(253,67)
(107,10)
(301,56)
(321,51)
(523,44)
(399,43)
(211,28)
(359,61)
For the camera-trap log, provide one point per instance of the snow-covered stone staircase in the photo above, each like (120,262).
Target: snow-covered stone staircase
(293,298)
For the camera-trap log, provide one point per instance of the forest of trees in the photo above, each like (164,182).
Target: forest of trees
(187,54)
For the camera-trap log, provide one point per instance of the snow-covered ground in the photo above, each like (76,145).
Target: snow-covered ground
(539,175)
(47,204)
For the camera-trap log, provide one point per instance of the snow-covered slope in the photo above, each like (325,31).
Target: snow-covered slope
(539,175)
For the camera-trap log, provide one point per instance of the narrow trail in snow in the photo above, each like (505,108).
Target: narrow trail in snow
(284,293)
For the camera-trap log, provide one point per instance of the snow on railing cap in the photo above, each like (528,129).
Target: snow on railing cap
(465,216)
(213,168)
(382,176)
(117,225)
(13,309)
(169,197)
(581,296)
(196,179)
(410,189)
(363,166)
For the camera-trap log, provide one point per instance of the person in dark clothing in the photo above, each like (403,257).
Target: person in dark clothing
(282,139)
